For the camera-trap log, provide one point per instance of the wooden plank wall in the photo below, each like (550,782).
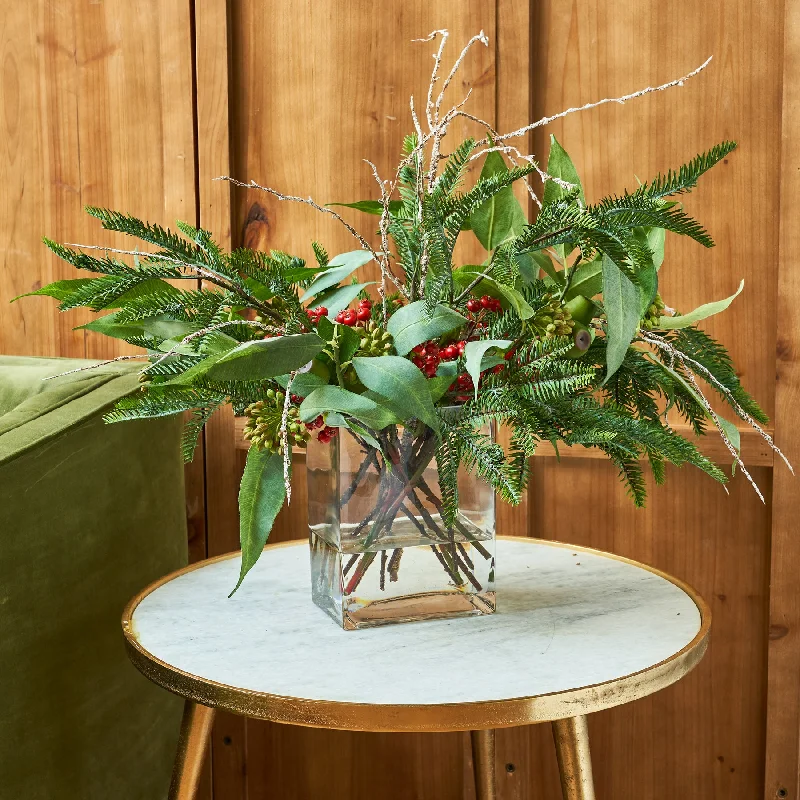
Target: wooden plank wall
(139,106)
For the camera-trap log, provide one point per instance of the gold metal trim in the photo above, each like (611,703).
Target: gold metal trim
(442,717)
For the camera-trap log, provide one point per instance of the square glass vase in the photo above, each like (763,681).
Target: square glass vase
(380,549)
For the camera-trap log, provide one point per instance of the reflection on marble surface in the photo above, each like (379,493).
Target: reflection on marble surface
(565,619)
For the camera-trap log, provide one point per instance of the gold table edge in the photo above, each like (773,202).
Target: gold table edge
(475,715)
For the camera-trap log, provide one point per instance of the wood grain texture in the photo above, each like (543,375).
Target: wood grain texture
(705,736)
(229,734)
(96,109)
(782,772)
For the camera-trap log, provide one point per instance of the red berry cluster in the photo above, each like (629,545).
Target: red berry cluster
(352,316)
(314,314)
(485,303)
(326,434)
(429,355)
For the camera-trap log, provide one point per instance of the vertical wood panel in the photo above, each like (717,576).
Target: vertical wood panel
(783,710)
(705,736)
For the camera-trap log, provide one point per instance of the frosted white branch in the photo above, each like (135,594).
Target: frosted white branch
(365,245)
(621,100)
(285,446)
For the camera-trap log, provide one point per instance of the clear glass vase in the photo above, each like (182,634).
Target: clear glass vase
(380,550)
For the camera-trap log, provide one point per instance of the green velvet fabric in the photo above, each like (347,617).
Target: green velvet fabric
(89,514)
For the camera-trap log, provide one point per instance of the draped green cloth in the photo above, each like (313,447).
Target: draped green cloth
(90,514)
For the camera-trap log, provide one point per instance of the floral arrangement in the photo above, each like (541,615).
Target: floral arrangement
(560,334)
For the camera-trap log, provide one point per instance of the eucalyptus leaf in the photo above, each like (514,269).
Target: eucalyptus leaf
(61,290)
(655,241)
(621,303)
(220,345)
(501,216)
(474,354)
(353,259)
(587,280)
(371,206)
(165,327)
(438,386)
(543,261)
(349,342)
(261,495)
(108,326)
(334,398)
(560,165)
(325,280)
(265,358)
(699,314)
(402,384)
(648,286)
(411,325)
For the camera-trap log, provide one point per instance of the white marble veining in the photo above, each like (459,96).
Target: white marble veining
(565,619)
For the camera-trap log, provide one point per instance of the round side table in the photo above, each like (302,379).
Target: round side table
(576,631)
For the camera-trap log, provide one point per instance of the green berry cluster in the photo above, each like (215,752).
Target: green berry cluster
(553,319)
(375,341)
(655,310)
(263,426)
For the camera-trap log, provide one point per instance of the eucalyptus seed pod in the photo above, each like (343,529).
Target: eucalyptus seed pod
(653,313)
(552,319)
(263,426)
(375,341)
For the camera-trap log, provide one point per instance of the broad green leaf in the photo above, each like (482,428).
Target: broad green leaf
(334,398)
(265,358)
(587,280)
(349,342)
(402,384)
(217,343)
(655,241)
(410,325)
(542,260)
(501,216)
(475,353)
(303,384)
(164,327)
(337,299)
(438,386)
(621,302)
(353,259)
(261,495)
(371,206)
(61,290)
(700,313)
(527,267)
(648,286)
(109,327)
(325,280)
(560,165)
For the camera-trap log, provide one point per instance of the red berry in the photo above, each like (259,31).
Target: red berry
(464,382)
(322,311)
(429,370)
(474,305)
(319,422)
(418,349)
(509,355)
(450,352)
(295,398)
(350,317)
(365,303)
(363,313)
(432,359)
(340,316)
(486,301)
(498,368)
(461,345)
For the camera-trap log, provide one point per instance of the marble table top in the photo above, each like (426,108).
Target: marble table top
(575,630)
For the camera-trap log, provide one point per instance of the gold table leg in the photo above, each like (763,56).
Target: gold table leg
(574,760)
(483,764)
(195,730)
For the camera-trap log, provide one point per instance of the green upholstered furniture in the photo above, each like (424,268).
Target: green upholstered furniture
(89,514)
